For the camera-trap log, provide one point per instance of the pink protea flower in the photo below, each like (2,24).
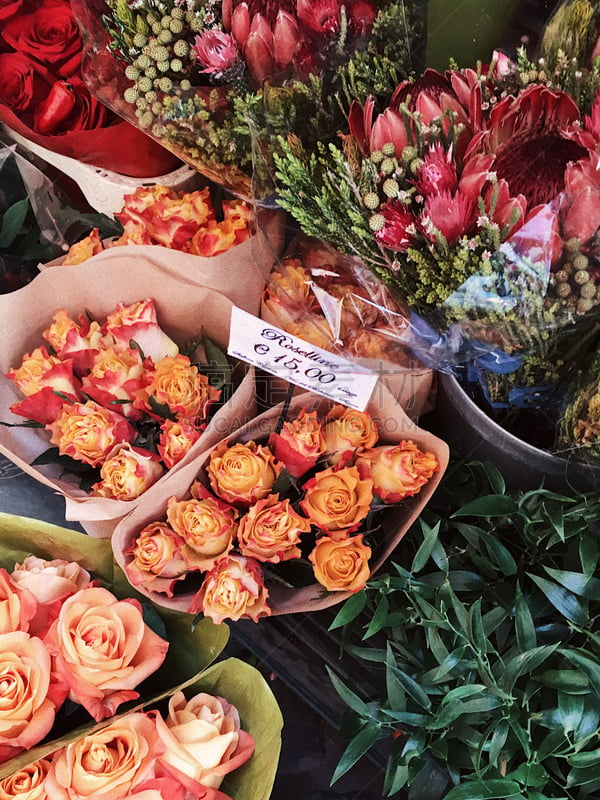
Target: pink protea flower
(217,52)
(399,229)
(371,134)
(452,215)
(438,172)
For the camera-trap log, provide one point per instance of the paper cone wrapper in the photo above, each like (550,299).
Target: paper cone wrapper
(394,426)
(184,309)
(239,273)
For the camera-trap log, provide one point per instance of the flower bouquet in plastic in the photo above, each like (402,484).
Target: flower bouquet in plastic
(474,197)
(119,385)
(327,300)
(181,728)
(44,99)
(292,512)
(217,82)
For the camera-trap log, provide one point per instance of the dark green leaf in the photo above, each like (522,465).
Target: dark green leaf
(395,692)
(350,610)
(348,696)
(524,663)
(524,624)
(160,409)
(552,743)
(570,708)
(422,555)
(576,582)
(530,775)
(565,680)
(563,601)
(379,618)
(501,555)
(491,505)
(406,717)
(582,776)
(475,629)
(588,553)
(360,744)
(587,664)
(438,554)
(457,708)
(412,688)
(218,369)
(12,221)
(485,790)
(396,777)
(588,758)
(498,741)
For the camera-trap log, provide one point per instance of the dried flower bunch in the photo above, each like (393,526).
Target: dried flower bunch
(208,78)
(121,403)
(312,492)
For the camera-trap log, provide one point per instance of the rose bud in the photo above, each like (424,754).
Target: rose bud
(157,561)
(299,444)
(346,431)
(397,471)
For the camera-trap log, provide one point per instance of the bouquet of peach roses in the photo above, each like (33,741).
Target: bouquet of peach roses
(282,504)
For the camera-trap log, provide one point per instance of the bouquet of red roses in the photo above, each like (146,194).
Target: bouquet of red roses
(247,529)
(44,98)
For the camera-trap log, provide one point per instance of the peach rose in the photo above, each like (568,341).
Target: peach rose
(104,764)
(39,369)
(17,605)
(397,471)
(138,321)
(341,565)
(127,472)
(242,473)
(103,649)
(337,500)
(346,431)
(87,247)
(116,373)
(167,788)
(50,582)
(299,444)
(207,526)
(88,432)
(28,701)
(27,783)
(157,559)
(177,384)
(202,738)
(233,589)
(271,530)
(176,439)
(79,341)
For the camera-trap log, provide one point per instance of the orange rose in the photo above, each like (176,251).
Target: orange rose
(127,472)
(27,701)
(87,247)
(176,439)
(116,373)
(207,526)
(242,473)
(103,649)
(17,605)
(233,589)
(27,783)
(108,763)
(43,406)
(341,566)
(177,384)
(337,500)
(397,471)
(271,530)
(79,341)
(88,432)
(39,369)
(203,739)
(299,444)
(138,322)
(157,559)
(346,431)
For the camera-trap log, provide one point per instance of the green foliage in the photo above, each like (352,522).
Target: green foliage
(486,638)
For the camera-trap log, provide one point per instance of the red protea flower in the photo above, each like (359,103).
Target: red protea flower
(371,134)
(533,137)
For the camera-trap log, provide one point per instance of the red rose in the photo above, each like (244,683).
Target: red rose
(9,8)
(69,106)
(20,86)
(50,35)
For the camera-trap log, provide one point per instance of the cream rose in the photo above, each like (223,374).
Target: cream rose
(103,649)
(177,384)
(138,321)
(202,738)
(49,581)
(157,560)
(207,526)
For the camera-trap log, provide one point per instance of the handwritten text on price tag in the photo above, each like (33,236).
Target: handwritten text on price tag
(273,350)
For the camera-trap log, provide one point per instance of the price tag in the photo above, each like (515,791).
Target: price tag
(257,342)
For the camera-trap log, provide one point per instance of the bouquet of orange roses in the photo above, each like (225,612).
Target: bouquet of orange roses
(115,394)
(247,529)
